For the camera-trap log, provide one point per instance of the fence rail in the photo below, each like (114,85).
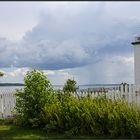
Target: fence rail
(130,92)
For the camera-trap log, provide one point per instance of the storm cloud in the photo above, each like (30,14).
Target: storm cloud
(72,35)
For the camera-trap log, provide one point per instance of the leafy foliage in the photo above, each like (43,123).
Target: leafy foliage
(1,74)
(70,86)
(39,106)
(93,116)
(32,99)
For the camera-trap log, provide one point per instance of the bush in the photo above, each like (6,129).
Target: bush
(38,105)
(32,99)
(70,86)
(10,120)
(1,74)
(93,116)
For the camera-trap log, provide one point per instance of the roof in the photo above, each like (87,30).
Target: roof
(137,40)
(134,43)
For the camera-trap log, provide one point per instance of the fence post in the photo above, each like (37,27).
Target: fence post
(133,93)
(136,94)
(126,91)
(139,95)
(122,90)
(2,108)
(130,93)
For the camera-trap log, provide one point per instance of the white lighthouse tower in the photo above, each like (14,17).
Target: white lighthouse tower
(136,44)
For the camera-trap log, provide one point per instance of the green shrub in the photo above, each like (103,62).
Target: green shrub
(31,100)
(38,105)
(1,74)
(93,116)
(7,121)
(70,86)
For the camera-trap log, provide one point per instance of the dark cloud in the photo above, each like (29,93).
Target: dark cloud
(66,40)
(7,52)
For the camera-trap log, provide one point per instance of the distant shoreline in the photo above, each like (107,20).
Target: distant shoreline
(86,85)
(11,84)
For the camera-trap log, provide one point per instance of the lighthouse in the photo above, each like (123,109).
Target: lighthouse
(136,44)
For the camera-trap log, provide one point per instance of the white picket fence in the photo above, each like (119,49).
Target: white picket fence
(129,92)
(7,103)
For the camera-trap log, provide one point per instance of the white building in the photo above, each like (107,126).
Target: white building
(136,44)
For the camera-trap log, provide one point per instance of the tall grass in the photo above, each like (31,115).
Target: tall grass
(92,116)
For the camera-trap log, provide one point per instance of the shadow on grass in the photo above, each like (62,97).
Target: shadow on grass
(10,132)
(13,132)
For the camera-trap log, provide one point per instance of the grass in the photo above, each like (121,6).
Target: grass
(9,132)
(14,132)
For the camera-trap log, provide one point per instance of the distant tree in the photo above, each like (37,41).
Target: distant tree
(1,74)
(70,86)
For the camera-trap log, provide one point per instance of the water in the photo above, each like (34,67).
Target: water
(98,86)
(7,89)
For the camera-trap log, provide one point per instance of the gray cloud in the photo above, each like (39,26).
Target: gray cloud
(69,37)
(115,69)
(7,52)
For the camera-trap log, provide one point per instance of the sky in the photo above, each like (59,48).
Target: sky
(87,41)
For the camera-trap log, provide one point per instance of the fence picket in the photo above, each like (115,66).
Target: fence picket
(130,92)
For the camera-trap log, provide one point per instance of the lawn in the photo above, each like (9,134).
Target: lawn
(14,132)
